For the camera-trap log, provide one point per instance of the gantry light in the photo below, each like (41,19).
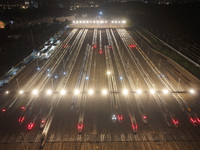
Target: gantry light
(123,21)
(98,21)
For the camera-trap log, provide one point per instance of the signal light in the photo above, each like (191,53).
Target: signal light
(100,51)
(23,108)
(30,126)
(198,120)
(80,126)
(132,46)
(3,110)
(120,117)
(193,120)
(21,119)
(144,117)
(42,121)
(110,47)
(175,121)
(94,46)
(135,127)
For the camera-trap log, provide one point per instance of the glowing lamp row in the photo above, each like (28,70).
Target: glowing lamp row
(93,21)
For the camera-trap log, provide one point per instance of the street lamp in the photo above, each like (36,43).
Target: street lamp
(104,91)
(108,72)
(152,91)
(35,92)
(192,91)
(49,92)
(63,92)
(7,92)
(91,91)
(21,92)
(125,91)
(165,91)
(139,91)
(76,91)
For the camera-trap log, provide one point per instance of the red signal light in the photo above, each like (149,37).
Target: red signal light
(100,51)
(198,120)
(3,110)
(132,46)
(135,127)
(193,120)
(23,108)
(94,46)
(120,117)
(80,126)
(30,126)
(144,117)
(175,121)
(42,121)
(110,47)
(21,119)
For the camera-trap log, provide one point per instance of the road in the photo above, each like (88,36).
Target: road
(93,92)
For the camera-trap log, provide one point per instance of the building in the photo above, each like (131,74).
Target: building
(18,4)
(75,4)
